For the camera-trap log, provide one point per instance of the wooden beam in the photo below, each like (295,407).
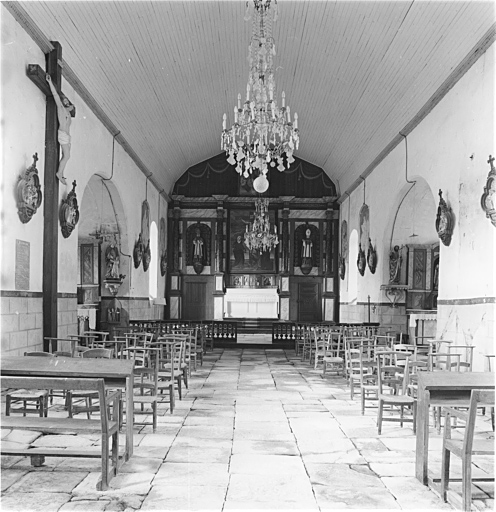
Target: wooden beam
(51,203)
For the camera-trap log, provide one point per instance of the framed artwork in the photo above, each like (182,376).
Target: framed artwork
(241,259)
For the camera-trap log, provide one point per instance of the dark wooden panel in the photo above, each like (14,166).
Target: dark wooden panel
(309,303)
(194,300)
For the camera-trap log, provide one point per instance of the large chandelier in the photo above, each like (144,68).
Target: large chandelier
(262,132)
(259,236)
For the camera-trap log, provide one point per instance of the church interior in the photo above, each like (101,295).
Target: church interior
(353,190)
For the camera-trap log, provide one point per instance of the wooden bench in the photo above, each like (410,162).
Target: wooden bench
(107,425)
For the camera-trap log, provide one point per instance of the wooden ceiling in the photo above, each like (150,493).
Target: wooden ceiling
(357,72)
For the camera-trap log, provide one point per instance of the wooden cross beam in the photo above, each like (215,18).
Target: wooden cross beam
(51,188)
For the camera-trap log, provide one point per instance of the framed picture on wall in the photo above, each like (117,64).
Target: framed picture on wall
(241,259)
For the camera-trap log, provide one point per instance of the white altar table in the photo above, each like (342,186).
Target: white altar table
(251,303)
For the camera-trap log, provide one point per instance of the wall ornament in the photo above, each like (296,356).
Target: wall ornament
(138,251)
(342,267)
(444,220)
(371,257)
(69,212)
(488,199)
(29,194)
(147,256)
(361,261)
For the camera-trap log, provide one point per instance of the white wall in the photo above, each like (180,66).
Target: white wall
(439,151)
(23,134)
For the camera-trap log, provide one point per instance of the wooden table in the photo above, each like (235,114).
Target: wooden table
(117,373)
(442,388)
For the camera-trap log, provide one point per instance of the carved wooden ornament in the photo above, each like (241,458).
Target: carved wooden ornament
(445,221)
(488,199)
(29,194)
(138,251)
(371,258)
(361,261)
(69,212)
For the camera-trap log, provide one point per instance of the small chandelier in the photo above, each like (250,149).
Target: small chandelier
(262,132)
(259,236)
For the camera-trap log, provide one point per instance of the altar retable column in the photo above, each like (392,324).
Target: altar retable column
(220,263)
(284,276)
(175,276)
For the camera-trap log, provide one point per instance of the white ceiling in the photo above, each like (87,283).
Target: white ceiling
(356,72)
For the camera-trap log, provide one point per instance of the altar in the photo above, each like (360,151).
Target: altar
(251,303)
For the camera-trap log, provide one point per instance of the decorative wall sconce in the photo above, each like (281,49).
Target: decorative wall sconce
(488,199)
(445,221)
(361,261)
(371,258)
(29,194)
(69,212)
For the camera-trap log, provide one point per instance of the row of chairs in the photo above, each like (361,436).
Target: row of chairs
(387,373)
(161,365)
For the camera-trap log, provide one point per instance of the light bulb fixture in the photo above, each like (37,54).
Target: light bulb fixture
(262,132)
(261,184)
(259,237)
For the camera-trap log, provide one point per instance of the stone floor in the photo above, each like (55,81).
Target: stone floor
(257,430)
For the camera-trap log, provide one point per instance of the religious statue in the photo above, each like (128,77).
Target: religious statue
(395,265)
(239,252)
(112,260)
(198,248)
(307,245)
(64,108)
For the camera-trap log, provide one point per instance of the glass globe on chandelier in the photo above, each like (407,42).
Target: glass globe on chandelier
(259,236)
(262,132)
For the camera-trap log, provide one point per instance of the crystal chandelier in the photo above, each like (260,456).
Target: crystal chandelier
(259,236)
(262,132)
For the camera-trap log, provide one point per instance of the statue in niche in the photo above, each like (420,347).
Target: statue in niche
(198,246)
(307,244)
(395,265)
(112,260)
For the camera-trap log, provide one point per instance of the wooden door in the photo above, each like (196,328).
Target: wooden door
(309,303)
(195,298)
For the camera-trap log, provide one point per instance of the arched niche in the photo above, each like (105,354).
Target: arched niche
(412,229)
(102,222)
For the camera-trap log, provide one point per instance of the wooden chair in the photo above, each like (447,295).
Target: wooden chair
(169,366)
(33,400)
(146,393)
(87,396)
(334,354)
(467,447)
(393,393)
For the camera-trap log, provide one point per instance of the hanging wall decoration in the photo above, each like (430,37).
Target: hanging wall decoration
(371,258)
(444,220)
(488,199)
(198,239)
(163,248)
(29,194)
(147,257)
(138,251)
(361,260)
(145,233)
(69,212)
(343,256)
